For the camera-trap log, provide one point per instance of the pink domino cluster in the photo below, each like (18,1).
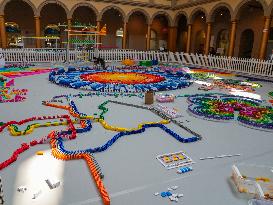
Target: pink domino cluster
(9,94)
(163,98)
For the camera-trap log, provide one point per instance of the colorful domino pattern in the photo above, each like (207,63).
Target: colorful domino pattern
(56,138)
(173,160)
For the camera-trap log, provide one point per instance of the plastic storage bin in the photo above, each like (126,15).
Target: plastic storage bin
(253,179)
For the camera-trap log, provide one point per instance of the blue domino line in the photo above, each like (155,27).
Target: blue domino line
(88,122)
(87,128)
(110,142)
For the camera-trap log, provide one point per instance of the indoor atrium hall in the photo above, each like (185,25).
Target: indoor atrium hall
(140,102)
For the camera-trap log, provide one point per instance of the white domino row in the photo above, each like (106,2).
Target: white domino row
(170,112)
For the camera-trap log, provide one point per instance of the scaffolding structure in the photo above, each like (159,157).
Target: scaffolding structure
(84,37)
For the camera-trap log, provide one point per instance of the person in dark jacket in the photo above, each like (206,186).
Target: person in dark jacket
(99,61)
(212,51)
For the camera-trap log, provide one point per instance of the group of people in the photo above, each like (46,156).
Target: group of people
(201,50)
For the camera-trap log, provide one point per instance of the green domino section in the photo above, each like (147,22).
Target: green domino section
(79,41)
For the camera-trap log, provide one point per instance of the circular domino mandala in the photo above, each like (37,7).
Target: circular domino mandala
(121,81)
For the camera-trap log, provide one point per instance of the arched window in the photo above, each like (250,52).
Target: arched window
(51,30)
(113,18)
(19,22)
(13,34)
